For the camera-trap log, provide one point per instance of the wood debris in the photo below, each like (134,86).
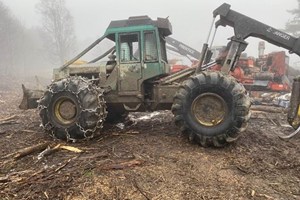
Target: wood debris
(29,150)
(28,131)
(268,109)
(2,132)
(70,148)
(62,166)
(123,165)
(135,184)
(4,179)
(48,151)
(8,118)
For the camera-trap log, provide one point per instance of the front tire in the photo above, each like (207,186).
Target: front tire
(72,109)
(211,109)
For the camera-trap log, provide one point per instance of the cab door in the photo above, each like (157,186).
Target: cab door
(130,70)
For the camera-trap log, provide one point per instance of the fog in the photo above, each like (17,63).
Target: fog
(190,19)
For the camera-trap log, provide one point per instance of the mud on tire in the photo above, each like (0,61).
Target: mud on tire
(211,109)
(72,108)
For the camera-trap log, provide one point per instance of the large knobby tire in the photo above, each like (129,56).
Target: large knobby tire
(72,109)
(211,109)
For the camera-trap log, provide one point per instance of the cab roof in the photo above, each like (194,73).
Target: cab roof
(163,24)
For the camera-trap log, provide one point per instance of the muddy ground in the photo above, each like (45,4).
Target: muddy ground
(148,159)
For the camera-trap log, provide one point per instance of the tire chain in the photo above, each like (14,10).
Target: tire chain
(101,103)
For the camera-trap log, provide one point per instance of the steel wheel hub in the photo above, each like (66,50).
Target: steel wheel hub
(65,110)
(209,109)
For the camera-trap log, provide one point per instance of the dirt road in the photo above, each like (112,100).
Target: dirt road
(148,159)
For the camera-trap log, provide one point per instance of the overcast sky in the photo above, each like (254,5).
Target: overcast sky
(190,18)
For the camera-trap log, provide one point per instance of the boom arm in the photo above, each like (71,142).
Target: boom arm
(182,48)
(245,27)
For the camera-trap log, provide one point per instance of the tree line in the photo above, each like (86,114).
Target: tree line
(25,50)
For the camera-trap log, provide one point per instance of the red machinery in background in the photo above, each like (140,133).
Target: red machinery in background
(268,72)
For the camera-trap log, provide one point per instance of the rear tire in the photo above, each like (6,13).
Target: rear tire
(211,109)
(72,108)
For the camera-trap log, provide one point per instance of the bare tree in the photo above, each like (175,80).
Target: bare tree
(11,35)
(293,25)
(57,29)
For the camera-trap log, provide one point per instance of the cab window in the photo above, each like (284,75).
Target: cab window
(129,48)
(150,47)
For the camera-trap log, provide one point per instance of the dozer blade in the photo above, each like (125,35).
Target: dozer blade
(30,98)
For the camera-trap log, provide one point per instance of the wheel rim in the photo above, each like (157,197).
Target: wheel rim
(209,109)
(65,110)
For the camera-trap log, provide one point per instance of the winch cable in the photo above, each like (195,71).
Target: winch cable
(290,135)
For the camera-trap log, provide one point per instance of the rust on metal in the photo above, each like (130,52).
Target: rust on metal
(65,110)
(209,109)
(294,111)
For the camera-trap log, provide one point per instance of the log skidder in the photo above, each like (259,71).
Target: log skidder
(211,109)
(72,108)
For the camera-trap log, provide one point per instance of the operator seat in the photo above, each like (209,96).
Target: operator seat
(111,63)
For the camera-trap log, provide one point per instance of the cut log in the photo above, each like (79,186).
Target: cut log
(269,109)
(29,150)
(8,118)
(8,122)
(123,165)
